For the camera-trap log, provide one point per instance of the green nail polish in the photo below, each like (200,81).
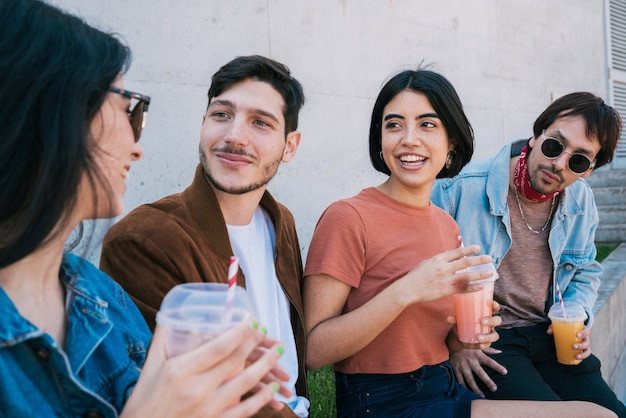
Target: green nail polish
(264,330)
(280,350)
(254,324)
(275,387)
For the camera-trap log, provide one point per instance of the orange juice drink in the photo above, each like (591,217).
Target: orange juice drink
(567,321)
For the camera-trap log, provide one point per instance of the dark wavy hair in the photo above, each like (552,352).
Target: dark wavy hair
(443,98)
(257,67)
(602,121)
(54,74)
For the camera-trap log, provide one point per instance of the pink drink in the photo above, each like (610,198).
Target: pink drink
(194,313)
(190,327)
(471,307)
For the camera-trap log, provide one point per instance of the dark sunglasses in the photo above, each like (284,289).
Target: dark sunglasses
(551,148)
(137,112)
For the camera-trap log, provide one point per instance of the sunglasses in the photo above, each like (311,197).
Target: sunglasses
(137,112)
(551,148)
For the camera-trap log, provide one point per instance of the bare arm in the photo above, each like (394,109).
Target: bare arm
(333,337)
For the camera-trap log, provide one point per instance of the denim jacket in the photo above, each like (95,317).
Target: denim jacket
(477,199)
(106,343)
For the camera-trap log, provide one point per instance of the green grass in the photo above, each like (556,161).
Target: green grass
(322,382)
(322,392)
(604,250)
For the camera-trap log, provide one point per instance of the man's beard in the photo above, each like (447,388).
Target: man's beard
(269,173)
(537,183)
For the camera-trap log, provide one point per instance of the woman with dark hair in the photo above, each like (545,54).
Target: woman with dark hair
(382,267)
(72,343)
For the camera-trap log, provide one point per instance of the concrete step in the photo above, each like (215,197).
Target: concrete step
(610,195)
(611,232)
(604,177)
(613,214)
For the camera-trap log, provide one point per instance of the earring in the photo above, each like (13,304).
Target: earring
(380,154)
(449,160)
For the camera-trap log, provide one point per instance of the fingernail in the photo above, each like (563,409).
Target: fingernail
(275,387)
(280,350)
(264,330)
(254,324)
(494,388)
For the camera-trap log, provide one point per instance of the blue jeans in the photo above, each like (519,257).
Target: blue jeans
(430,391)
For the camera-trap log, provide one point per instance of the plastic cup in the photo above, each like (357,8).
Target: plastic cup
(471,307)
(194,313)
(567,321)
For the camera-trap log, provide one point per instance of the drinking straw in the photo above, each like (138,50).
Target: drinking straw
(232,285)
(558,292)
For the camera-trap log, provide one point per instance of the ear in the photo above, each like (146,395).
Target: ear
(291,146)
(532,141)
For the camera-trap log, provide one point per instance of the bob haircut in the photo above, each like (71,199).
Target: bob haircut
(257,67)
(444,100)
(55,71)
(602,121)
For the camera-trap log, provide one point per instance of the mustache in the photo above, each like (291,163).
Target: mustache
(552,169)
(231,150)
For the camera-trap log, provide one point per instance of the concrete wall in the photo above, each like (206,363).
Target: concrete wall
(507,58)
(608,339)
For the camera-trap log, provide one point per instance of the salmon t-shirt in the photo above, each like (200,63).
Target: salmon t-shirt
(369,241)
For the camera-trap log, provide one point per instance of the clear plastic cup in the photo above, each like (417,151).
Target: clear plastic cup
(567,321)
(194,313)
(471,307)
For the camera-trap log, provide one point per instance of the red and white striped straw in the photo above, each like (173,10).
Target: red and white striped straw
(232,284)
(558,292)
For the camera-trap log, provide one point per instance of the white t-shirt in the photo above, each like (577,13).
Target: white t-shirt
(253,245)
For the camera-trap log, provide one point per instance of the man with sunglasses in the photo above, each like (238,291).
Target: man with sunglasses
(248,129)
(529,208)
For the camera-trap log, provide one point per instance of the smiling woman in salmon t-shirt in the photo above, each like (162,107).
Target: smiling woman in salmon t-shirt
(382,266)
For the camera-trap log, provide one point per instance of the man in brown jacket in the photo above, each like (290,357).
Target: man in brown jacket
(248,129)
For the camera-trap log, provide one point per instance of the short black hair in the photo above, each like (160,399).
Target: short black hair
(264,69)
(443,98)
(603,122)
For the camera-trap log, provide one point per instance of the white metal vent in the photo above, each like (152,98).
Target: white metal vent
(618,33)
(619,102)
(617,17)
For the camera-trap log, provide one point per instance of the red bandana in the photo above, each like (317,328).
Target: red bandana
(521,179)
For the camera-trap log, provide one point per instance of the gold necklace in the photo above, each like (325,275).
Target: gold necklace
(521,211)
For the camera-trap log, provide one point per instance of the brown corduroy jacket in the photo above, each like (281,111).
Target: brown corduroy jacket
(183,238)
